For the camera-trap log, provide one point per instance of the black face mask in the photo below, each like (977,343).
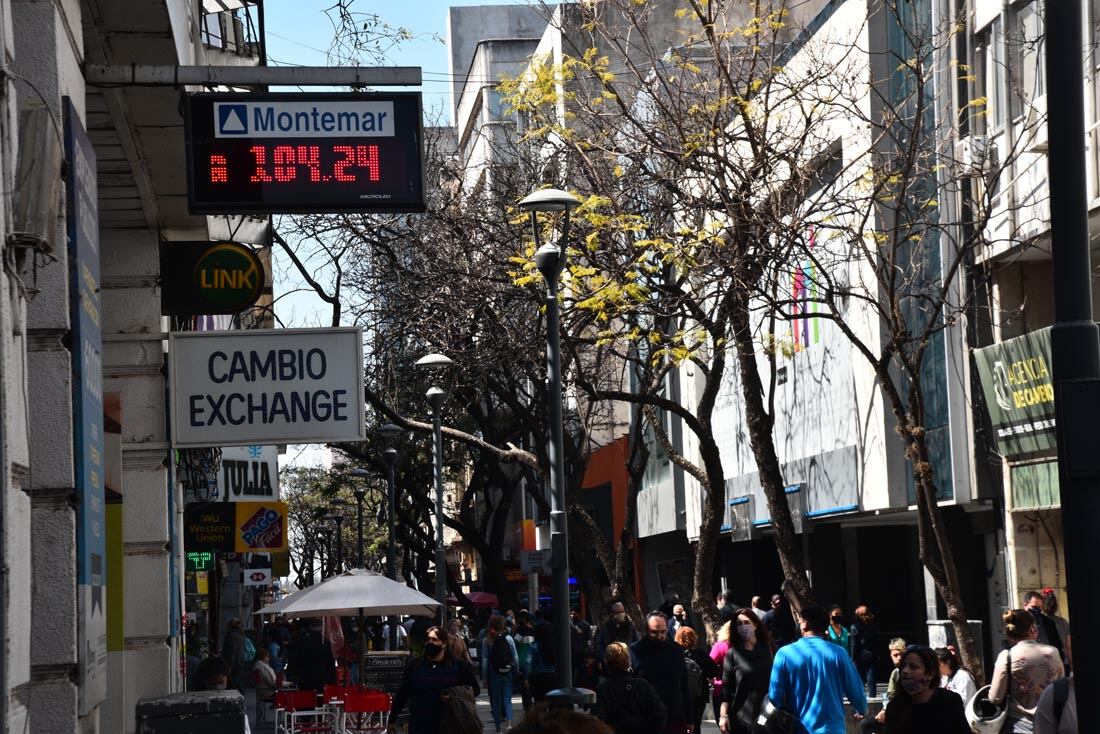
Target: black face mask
(431,649)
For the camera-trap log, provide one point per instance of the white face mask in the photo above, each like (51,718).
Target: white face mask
(219,686)
(746,631)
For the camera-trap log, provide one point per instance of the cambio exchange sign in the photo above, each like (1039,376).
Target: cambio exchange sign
(278,386)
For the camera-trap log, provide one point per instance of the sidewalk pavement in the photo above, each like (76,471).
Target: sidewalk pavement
(709,725)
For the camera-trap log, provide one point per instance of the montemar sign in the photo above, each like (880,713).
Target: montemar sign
(276,386)
(269,153)
(209,278)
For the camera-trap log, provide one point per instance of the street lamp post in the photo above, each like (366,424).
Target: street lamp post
(550,260)
(339,549)
(435,397)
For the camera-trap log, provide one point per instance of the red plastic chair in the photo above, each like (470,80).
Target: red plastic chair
(365,711)
(296,712)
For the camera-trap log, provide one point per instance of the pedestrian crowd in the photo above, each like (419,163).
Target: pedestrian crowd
(767,670)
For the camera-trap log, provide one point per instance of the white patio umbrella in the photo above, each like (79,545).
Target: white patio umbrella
(354,592)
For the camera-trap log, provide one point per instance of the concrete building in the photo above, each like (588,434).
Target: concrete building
(91,598)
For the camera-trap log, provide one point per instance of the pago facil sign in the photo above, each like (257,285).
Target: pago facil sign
(271,386)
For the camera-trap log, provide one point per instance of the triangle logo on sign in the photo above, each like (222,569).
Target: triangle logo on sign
(232,119)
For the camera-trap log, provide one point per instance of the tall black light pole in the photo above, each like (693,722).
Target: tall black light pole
(390,432)
(1074,339)
(338,551)
(435,397)
(550,260)
(360,495)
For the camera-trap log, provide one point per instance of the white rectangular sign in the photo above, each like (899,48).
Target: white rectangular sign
(256,576)
(270,386)
(350,118)
(245,474)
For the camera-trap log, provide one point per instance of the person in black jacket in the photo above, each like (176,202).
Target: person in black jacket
(232,653)
(628,704)
(426,677)
(311,661)
(708,671)
(746,673)
(661,662)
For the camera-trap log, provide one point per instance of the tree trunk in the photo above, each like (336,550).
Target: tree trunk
(759,423)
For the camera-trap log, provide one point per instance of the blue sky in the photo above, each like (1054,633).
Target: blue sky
(299,32)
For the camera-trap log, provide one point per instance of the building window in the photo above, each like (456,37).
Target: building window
(1025,46)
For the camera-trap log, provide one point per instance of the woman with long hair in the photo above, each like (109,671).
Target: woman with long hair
(953,676)
(920,705)
(426,677)
(746,670)
(718,654)
(863,639)
(687,639)
(1023,671)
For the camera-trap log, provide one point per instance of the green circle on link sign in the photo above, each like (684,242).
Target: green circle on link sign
(229,276)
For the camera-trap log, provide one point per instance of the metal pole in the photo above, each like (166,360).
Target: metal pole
(550,261)
(339,544)
(359,494)
(1074,339)
(390,455)
(435,398)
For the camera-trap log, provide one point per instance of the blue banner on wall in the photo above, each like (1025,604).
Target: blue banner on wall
(82,221)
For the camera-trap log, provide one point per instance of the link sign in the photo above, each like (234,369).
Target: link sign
(271,386)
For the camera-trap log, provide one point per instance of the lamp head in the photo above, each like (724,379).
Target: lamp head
(548,261)
(434,360)
(390,456)
(435,397)
(549,200)
(389,431)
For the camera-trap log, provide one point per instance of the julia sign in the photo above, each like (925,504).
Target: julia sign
(272,386)
(264,153)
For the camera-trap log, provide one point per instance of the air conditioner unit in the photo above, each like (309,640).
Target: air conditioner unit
(742,514)
(973,155)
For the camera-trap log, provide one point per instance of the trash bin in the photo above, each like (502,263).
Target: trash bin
(209,712)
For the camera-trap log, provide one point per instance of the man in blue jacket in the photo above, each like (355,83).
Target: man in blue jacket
(661,662)
(811,677)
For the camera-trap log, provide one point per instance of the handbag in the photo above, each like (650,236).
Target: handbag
(774,720)
(984,716)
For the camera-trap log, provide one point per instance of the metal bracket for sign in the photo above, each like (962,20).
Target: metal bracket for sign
(150,75)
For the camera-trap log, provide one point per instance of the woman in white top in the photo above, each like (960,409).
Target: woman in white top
(955,677)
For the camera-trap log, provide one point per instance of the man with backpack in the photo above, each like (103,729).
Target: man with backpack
(1056,712)
(234,652)
(499,662)
(662,663)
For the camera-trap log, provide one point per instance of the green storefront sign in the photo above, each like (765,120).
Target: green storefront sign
(1018,385)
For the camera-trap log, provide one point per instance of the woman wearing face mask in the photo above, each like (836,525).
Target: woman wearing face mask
(920,705)
(837,632)
(746,670)
(426,677)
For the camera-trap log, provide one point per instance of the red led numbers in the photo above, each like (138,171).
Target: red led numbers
(259,153)
(285,162)
(219,169)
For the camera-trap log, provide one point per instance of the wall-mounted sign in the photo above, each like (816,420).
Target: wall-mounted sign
(273,153)
(82,218)
(1019,394)
(270,386)
(256,576)
(239,527)
(246,473)
(208,278)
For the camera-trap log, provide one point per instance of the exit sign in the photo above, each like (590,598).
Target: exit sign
(335,152)
(199,560)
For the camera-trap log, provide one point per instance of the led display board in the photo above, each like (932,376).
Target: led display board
(333,152)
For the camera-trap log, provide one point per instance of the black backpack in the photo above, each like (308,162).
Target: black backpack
(500,655)
(695,678)
(459,715)
(631,706)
